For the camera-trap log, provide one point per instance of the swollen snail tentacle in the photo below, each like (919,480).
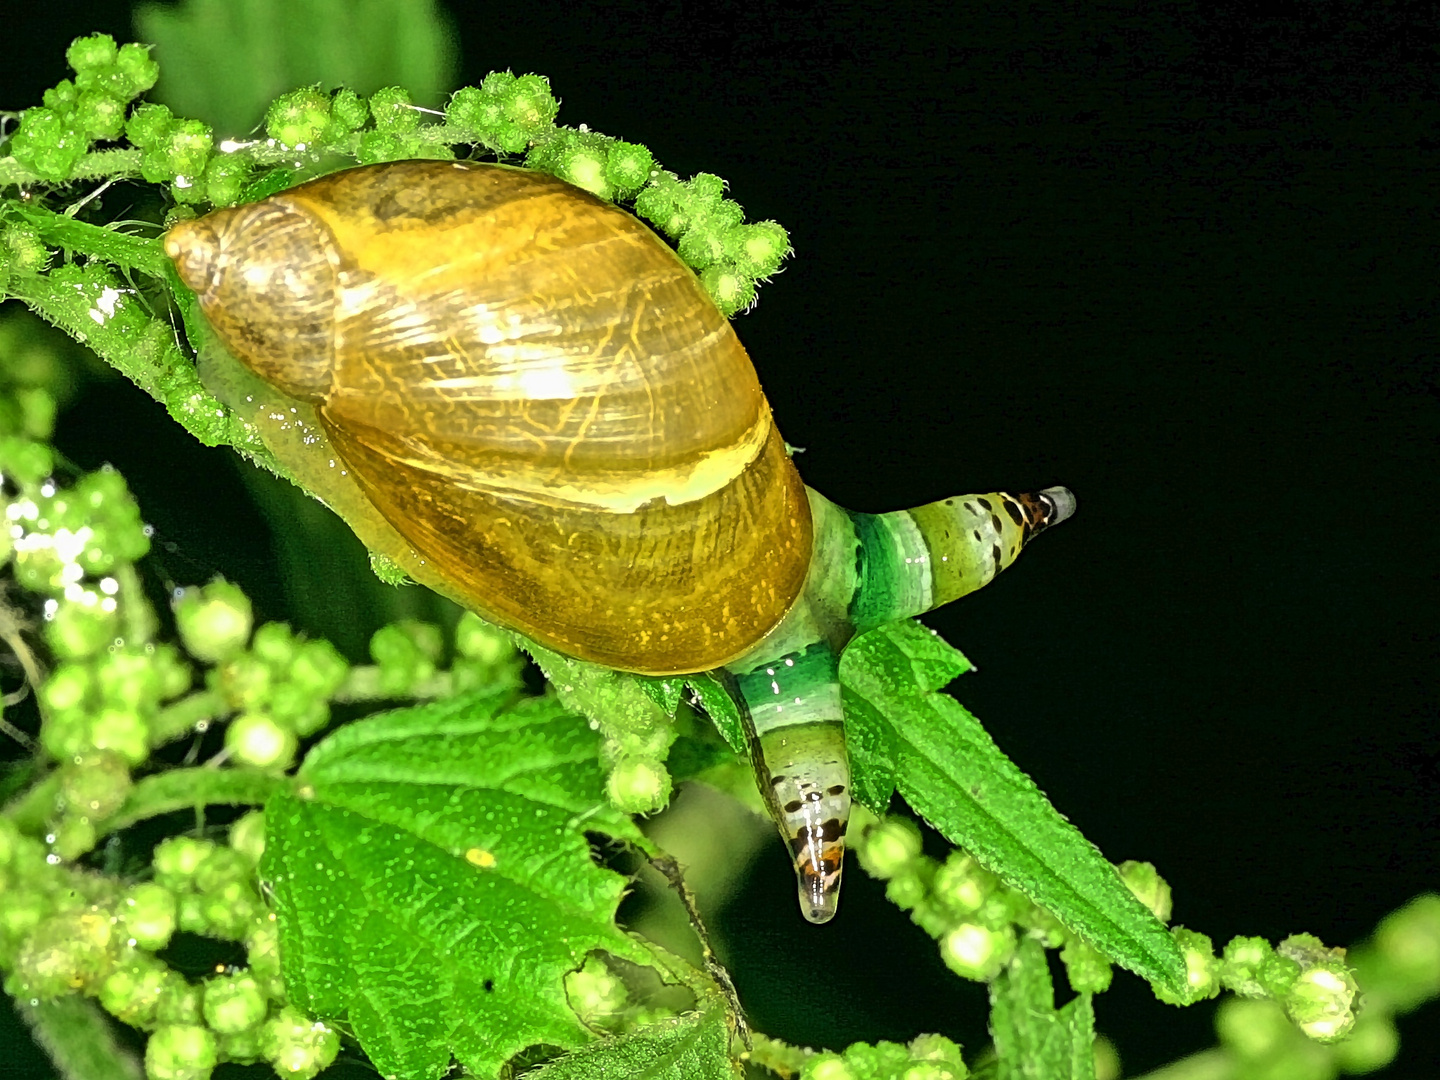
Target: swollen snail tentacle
(535,393)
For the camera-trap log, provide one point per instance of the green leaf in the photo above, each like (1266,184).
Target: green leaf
(954,775)
(223,61)
(1033,1040)
(434,884)
(695,1046)
(715,699)
(925,662)
(662,691)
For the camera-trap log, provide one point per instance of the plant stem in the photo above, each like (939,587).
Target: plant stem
(79,1040)
(183,789)
(1206,1065)
(180,717)
(363,684)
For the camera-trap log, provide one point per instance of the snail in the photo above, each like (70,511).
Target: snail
(538,397)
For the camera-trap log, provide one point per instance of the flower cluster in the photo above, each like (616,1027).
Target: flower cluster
(977,920)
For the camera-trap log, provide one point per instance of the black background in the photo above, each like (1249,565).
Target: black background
(1180,258)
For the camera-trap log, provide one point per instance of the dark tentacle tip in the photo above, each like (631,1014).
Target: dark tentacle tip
(1061,502)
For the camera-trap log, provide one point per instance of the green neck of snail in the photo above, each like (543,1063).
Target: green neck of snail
(866,570)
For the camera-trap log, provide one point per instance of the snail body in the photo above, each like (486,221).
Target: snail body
(537,395)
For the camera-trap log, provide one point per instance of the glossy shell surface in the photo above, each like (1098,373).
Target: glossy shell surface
(533,390)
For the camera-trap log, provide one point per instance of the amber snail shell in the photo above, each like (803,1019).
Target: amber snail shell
(534,390)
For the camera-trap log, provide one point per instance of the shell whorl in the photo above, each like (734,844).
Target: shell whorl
(536,392)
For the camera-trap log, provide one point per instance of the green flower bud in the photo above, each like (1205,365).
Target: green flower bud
(528,102)
(731,290)
(233,1003)
(125,679)
(100,115)
(106,503)
(594,993)
(975,952)
(245,681)
(639,785)
(22,911)
(132,992)
(1277,975)
(172,676)
(37,410)
(225,177)
(25,250)
(627,167)
(888,847)
(318,668)
(262,953)
(705,190)
(1241,964)
(243,1047)
(478,640)
(1322,1002)
(230,912)
(827,1067)
(348,111)
(177,859)
(96,783)
(149,125)
(136,70)
(939,1051)
(884,1059)
(66,689)
(297,1046)
(470,108)
(704,245)
(124,731)
(297,119)
(663,203)
(756,250)
(222,867)
(147,915)
(379,146)
(72,836)
(297,709)
(393,112)
(78,630)
(1148,886)
(907,889)
(187,148)
(583,165)
(66,952)
(1201,969)
(275,643)
(89,53)
(62,97)
(406,653)
(179,1002)
(1086,967)
(192,915)
(247,836)
(66,734)
(180,1052)
(214,622)
(49,144)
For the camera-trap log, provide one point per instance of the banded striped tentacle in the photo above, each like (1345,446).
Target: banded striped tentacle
(865,570)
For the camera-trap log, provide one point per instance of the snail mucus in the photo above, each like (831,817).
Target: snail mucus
(527,387)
